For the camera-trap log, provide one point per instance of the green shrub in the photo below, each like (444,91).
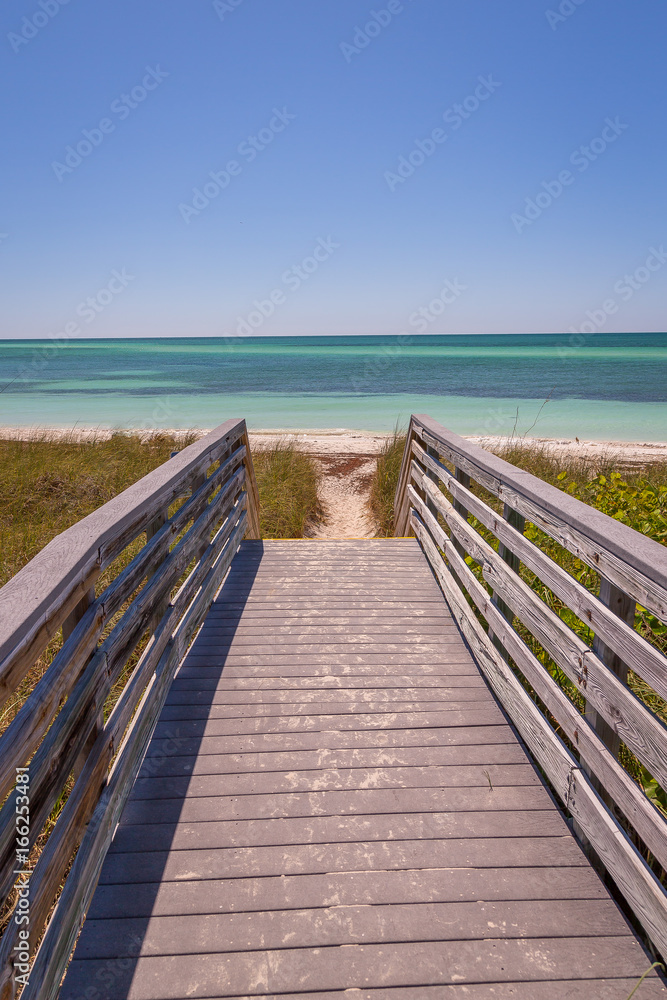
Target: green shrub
(385,481)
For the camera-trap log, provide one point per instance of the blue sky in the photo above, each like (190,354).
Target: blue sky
(313,224)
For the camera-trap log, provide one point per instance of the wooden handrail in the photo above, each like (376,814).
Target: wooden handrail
(150,610)
(436,500)
(608,546)
(35,602)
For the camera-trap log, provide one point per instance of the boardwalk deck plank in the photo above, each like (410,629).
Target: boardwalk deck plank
(333,800)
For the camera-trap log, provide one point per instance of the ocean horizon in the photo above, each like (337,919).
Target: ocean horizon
(595,387)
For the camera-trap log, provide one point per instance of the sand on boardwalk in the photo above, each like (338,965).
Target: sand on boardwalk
(347,460)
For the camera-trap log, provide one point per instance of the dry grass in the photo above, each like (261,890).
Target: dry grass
(47,484)
(384,483)
(287,482)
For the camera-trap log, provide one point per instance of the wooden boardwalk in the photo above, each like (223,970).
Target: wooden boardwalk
(334,801)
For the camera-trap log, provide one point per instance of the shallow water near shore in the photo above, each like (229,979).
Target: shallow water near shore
(601,387)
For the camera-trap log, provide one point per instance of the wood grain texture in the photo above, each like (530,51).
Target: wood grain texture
(307,819)
(636,563)
(641,813)
(52,956)
(632,876)
(44,592)
(78,740)
(640,655)
(639,728)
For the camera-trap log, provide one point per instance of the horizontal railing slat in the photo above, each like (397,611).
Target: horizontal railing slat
(634,650)
(639,885)
(54,951)
(629,565)
(635,563)
(35,602)
(639,729)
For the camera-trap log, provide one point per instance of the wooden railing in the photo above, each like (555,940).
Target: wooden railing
(191,514)
(482,580)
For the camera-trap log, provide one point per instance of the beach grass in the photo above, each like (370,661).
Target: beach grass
(50,482)
(384,483)
(287,481)
(633,493)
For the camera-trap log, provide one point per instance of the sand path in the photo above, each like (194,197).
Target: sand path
(343,493)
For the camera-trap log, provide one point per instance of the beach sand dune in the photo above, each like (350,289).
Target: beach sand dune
(347,461)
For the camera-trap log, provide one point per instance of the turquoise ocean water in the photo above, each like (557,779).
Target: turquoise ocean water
(599,387)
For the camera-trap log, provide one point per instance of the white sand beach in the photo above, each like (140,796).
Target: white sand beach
(341,441)
(347,460)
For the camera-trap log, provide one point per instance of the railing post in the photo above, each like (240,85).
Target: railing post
(197,483)
(154,526)
(517,521)
(464,479)
(432,453)
(251,491)
(77,613)
(69,625)
(624,607)
(402,526)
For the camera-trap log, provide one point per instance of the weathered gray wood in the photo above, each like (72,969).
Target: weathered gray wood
(626,792)
(623,607)
(72,734)
(280,972)
(75,723)
(75,616)
(199,695)
(635,563)
(363,924)
(38,599)
(322,858)
(332,779)
(401,506)
(477,735)
(641,730)
(632,876)
(54,951)
(66,837)
(275,775)
(29,726)
(610,628)
(456,825)
(179,764)
(289,892)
